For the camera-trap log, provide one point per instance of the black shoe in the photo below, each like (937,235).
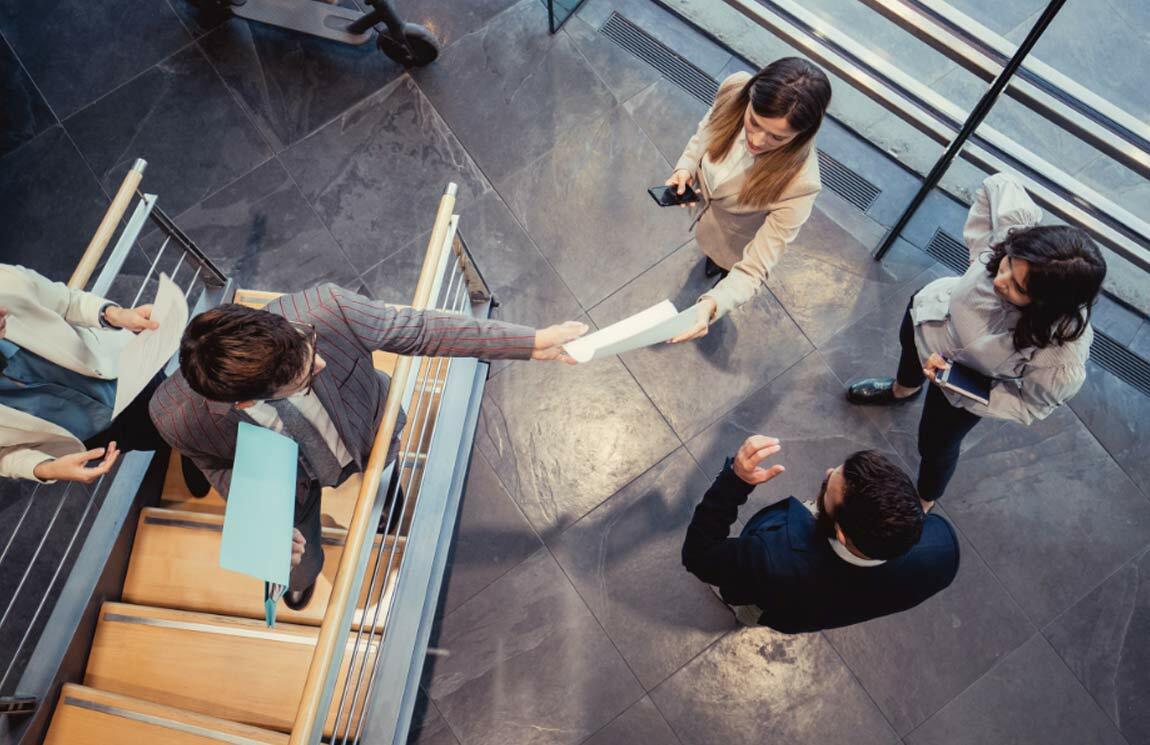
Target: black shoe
(298,599)
(198,485)
(876,392)
(711,269)
(387,526)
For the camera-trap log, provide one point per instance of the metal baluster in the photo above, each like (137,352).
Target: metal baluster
(151,270)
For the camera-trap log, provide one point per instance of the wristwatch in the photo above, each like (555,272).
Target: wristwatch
(104,309)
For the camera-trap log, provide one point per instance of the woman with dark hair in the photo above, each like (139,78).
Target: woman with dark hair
(754,163)
(1020,315)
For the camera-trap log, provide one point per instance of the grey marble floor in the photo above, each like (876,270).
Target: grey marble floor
(566,616)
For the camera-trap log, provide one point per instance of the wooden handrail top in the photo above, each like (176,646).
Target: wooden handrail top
(112,217)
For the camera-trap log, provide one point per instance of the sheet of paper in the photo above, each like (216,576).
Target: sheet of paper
(261,504)
(656,324)
(148,351)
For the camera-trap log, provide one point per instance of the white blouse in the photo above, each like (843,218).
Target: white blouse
(737,162)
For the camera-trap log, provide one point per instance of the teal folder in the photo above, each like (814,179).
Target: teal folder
(261,506)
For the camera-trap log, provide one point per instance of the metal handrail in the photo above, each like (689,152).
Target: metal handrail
(107,228)
(1036,85)
(935,116)
(308,713)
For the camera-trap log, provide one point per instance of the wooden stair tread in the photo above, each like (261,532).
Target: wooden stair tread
(232,668)
(88,716)
(175,564)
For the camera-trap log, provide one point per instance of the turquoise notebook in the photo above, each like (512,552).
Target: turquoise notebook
(261,508)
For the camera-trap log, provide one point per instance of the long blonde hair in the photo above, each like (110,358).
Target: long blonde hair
(789,87)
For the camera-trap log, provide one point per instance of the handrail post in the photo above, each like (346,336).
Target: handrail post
(985,104)
(115,212)
(308,713)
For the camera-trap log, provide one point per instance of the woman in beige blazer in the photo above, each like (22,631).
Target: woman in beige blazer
(754,163)
(51,338)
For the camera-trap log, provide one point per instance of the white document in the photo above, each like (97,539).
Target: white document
(656,324)
(148,351)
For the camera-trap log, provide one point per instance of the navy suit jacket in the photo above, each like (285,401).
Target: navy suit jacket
(783,563)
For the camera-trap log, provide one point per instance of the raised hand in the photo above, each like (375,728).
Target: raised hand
(754,451)
(705,310)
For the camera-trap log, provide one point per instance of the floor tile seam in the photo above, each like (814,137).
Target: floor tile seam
(1138,556)
(707,648)
(495,189)
(32,81)
(450,727)
(1143,490)
(587,61)
(526,521)
(133,78)
(655,406)
(959,694)
(1082,686)
(363,275)
(607,636)
(191,31)
(640,275)
(858,681)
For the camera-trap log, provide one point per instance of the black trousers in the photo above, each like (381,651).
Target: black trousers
(133,429)
(942,426)
(309,522)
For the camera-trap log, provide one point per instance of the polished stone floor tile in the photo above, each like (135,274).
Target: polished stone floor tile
(510,76)
(375,174)
(758,685)
(585,204)
(1117,321)
(527,288)
(674,33)
(695,382)
(16,504)
(1104,640)
(24,114)
(563,438)
(492,538)
(642,724)
(264,235)
(527,663)
(668,115)
(1049,511)
(179,116)
(827,279)
(621,71)
(59,41)
(897,185)
(1119,416)
(291,83)
(1029,697)
(816,428)
(624,559)
(942,645)
(428,727)
(451,20)
(50,205)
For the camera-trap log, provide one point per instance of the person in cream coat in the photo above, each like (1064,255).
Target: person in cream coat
(59,351)
(754,163)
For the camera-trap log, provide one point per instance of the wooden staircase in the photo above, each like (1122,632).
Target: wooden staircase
(186,656)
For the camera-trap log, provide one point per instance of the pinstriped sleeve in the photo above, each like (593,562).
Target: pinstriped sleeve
(377,325)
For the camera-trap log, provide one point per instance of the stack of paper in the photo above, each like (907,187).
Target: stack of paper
(149,351)
(658,323)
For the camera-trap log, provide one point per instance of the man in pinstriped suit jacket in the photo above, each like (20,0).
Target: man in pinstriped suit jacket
(303,366)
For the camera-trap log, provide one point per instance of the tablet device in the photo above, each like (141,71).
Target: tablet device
(966,382)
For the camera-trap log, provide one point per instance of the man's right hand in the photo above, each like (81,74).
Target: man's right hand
(298,544)
(75,467)
(754,451)
(680,180)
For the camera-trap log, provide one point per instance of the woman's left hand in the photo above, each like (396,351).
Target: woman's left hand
(705,310)
(132,319)
(934,365)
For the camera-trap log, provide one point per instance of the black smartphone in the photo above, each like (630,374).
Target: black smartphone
(665,196)
(966,382)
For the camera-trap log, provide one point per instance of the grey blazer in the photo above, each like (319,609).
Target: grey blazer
(963,318)
(349,328)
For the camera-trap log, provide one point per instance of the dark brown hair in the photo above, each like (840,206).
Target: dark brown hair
(236,353)
(880,512)
(1065,277)
(790,88)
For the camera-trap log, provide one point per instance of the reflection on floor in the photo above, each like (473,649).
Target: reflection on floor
(566,617)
